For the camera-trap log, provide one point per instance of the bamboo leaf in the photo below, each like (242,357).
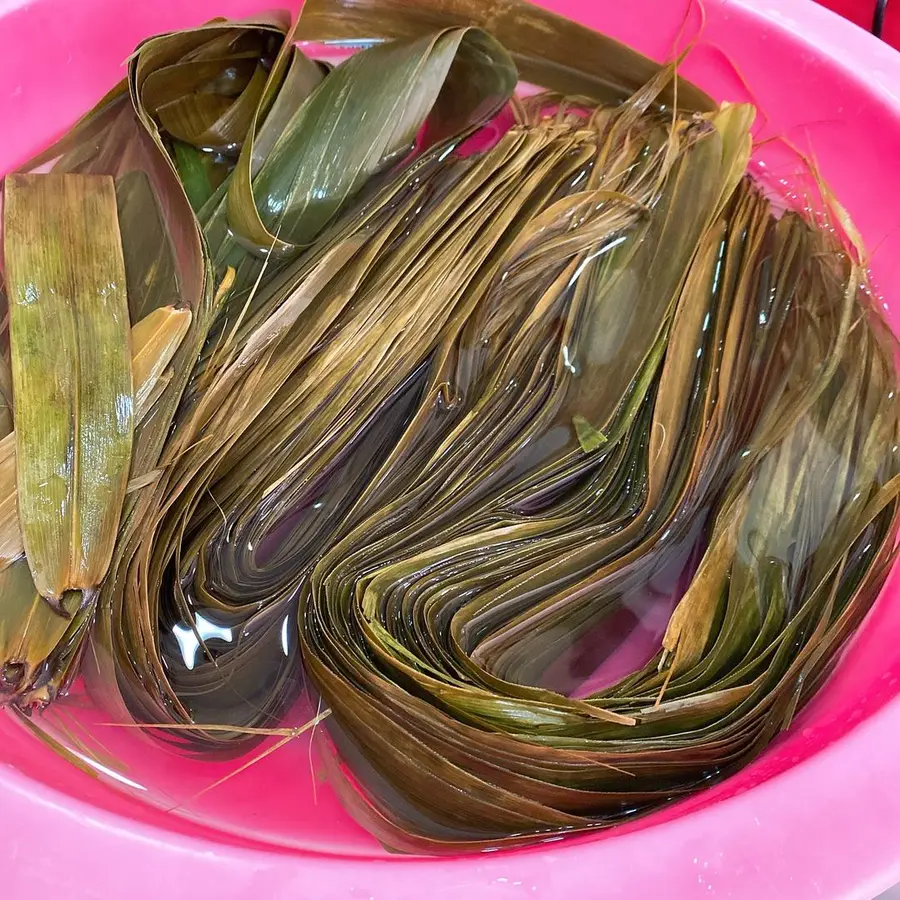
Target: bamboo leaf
(588,436)
(557,464)
(154,341)
(548,50)
(362,117)
(29,628)
(150,263)
(193,174)
(11,546)
(71,374)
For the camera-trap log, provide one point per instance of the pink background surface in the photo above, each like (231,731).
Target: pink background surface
(817,816)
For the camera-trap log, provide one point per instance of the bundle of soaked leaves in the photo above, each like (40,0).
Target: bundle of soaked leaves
(305,383)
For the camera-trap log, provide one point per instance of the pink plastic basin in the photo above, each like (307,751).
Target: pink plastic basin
(818,815)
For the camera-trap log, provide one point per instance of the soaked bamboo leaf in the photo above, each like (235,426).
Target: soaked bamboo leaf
(203,86)
(30,629)
(71,366)
(362,117)
(150,263)
(112,139)
(6,394)
(11,546)
(154,341)
(588,437)
(193,174)
(728,677)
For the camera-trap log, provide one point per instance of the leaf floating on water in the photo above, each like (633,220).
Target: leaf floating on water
(71,363)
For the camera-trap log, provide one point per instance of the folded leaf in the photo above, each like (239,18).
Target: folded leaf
(363,116)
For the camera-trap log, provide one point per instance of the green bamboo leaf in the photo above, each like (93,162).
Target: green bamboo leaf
(11,546)
(38,641)
(447,426)
(71,364)
(193,174)
(114,139)
(150,264)
(588,436)
(548,49)
(163,71)
(203,86)
(363,116)
(154,340)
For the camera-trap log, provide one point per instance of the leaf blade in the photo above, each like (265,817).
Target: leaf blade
(71,364)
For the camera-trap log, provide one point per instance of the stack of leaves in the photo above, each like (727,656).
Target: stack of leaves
(426,423)
(758,430)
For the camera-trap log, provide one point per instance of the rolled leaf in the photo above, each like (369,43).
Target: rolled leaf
(206,88)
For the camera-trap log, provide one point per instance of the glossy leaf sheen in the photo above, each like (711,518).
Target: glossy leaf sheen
(71,364)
